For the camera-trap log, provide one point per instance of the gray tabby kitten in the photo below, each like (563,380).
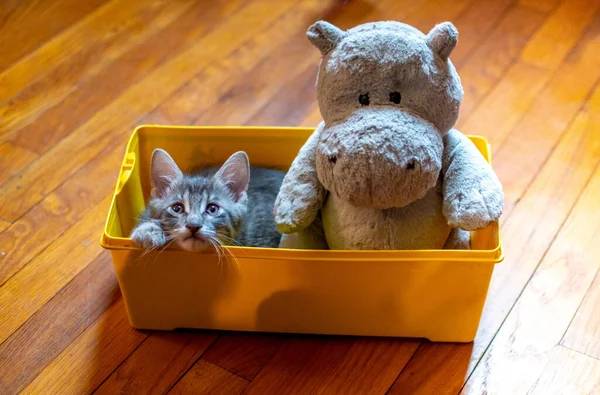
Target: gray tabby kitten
(232,205)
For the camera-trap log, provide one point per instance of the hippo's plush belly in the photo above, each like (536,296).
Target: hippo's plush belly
(420,225)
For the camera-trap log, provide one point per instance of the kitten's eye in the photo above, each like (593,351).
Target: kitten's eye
(395,97)
(212,209)
(177,208)
(364,99)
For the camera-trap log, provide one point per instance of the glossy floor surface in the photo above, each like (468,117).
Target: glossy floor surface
(77,76)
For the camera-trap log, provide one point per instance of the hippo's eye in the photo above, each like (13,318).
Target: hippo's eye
(363,99)
(395,97)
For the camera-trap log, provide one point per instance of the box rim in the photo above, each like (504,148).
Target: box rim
(495,255)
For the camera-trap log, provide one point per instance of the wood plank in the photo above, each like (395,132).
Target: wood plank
(243,354)
(474,25)
(3,226)
(158,363)
(28,290)
(206,378)
(312,118)
(287,109)
(27,25)
(523,346)
(32,233)
(300,366)
(529,229)
(107,84)
(526,148)
(431,12)
(489,62)
(245,81)
(501,111)
(583,334)
(290,109)
(60,321)
(435,369)
(369,367)
(102,25)
(92,357)
(540,5)
(551,44)
(108,126)
(569,372)
(92,59)
(13,159)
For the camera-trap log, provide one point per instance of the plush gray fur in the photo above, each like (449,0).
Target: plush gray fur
(385,169)
(244,196)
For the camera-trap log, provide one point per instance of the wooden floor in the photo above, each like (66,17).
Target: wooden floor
(76,77)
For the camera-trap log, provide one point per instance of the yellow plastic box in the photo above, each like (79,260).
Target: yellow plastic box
(433,294)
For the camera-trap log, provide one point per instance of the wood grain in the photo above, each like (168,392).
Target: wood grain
(91,60)
(300,366)
(158,363)
(569,372)
(435,369)
(3,226)
(206,378)
(90,358)
(27,24)
(58,323)
(482,69)
(522,347)
(286,63)
(529,229)
(28,236)
(13,159)
(98,27)
(27,291)
(526,148)
(499,112)
(243,354)
(583,334)
(429,13)
(369,367)
(474,25)
(108,83)
(560,32)
(76,79)
(73,152)
(540,5)
(204,93)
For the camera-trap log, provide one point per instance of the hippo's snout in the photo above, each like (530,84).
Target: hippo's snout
(378,164)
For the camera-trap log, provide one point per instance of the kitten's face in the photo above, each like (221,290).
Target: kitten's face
(198,212)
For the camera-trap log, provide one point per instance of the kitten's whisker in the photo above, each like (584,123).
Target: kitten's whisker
(212,242)
(237,264)
(218,250)
(162,248)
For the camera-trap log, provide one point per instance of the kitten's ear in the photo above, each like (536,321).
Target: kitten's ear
(235,174)
(164,171)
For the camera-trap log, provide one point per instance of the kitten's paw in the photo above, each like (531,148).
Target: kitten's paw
(149,236)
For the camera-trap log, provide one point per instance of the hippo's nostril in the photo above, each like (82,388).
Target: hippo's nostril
(411,164)
(333,159)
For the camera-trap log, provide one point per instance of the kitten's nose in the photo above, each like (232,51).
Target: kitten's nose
(193,228)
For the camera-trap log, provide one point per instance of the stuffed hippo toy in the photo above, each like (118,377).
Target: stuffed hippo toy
(385,169)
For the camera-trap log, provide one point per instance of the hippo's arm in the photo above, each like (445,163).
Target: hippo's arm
(301,195)
(473,196)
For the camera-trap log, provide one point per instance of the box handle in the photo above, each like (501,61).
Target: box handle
(126,169)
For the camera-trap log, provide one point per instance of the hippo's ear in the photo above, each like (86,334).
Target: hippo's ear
(324,36)
(443,38)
